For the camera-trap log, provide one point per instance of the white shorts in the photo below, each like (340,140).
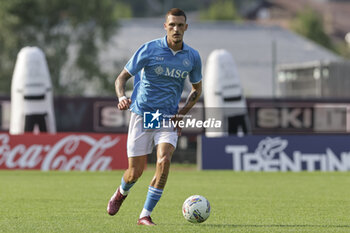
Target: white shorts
(141,141)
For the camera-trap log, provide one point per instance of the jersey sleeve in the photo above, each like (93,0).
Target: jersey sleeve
(196,73)
(138,60)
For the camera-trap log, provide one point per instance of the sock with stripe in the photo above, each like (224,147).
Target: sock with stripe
(152,199)
(125,187)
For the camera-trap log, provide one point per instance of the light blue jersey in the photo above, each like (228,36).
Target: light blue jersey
(160,84)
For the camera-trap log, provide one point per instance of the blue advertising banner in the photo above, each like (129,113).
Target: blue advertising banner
(277,153)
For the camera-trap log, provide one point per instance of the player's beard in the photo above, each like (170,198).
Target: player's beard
(177,40)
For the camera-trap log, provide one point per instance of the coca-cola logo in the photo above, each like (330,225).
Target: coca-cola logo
(71,152)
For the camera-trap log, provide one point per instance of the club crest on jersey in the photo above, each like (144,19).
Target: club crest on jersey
(186,62)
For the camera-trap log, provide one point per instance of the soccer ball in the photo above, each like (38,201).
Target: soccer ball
(196,209)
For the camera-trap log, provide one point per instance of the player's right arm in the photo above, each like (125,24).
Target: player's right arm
(134,65)
(120,82)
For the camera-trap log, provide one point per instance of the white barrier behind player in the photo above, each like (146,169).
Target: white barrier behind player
(31,93)
(223,94)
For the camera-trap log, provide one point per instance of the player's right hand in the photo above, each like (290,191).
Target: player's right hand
(124,104)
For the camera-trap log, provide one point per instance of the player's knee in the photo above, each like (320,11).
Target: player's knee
(164,160)
(134,174)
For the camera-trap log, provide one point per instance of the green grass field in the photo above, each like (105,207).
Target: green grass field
(34,201)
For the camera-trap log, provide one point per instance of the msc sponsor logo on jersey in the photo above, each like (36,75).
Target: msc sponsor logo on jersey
(174,73)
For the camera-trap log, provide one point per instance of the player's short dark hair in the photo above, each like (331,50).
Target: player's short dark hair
(176,12)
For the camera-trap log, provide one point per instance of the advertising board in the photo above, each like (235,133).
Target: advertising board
(63,151)
(276,153)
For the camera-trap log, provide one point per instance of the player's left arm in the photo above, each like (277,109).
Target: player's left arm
(192,99)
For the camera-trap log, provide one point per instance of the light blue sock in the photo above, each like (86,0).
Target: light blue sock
(152,199)
(125,187)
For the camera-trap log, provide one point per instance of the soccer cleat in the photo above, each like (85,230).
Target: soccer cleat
(115,202)
(146,221)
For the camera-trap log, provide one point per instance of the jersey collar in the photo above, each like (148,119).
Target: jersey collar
(165,44)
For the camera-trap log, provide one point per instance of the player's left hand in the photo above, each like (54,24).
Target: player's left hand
(176,120)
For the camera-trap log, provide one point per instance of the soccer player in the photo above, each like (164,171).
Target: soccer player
(161,66)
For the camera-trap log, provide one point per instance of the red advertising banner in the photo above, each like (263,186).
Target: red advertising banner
(63,151)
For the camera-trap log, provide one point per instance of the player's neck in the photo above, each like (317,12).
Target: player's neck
(175,46)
